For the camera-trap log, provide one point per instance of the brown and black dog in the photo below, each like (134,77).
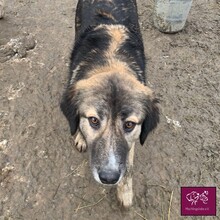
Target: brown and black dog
(106,101)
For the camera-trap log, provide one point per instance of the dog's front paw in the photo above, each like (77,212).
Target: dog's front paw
(80,143)
(125,193)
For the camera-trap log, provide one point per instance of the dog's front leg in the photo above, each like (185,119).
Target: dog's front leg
(124,188)
(80,142)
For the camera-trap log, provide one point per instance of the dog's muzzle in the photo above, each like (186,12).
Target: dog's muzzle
(110,171)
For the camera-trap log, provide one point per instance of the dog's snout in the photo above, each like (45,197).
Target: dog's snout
(109,176)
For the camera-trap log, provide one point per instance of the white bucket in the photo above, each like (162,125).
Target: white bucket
(170,15)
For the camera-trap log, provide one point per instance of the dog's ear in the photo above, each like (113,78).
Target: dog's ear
(69,109)
(151,120)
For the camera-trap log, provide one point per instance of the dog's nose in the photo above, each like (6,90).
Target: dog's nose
(109,176)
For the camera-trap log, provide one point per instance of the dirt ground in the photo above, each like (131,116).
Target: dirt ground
(42,177)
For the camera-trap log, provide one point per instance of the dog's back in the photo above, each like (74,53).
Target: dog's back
(99,22)
(91,13)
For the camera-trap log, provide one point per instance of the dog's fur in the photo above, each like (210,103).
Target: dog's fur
(106,101)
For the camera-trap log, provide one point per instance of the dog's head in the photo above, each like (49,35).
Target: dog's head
(111,111)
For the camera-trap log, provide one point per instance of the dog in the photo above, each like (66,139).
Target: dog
(106,101)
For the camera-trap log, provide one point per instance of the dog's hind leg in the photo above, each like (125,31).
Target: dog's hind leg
(80,142)
(124,188)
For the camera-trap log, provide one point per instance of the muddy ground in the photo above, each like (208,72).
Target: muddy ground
(42,177)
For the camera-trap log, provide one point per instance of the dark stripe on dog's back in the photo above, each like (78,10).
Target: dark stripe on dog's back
(89,48)
(133,52)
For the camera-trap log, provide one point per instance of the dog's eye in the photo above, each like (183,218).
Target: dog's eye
(94,122)
(129,126)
